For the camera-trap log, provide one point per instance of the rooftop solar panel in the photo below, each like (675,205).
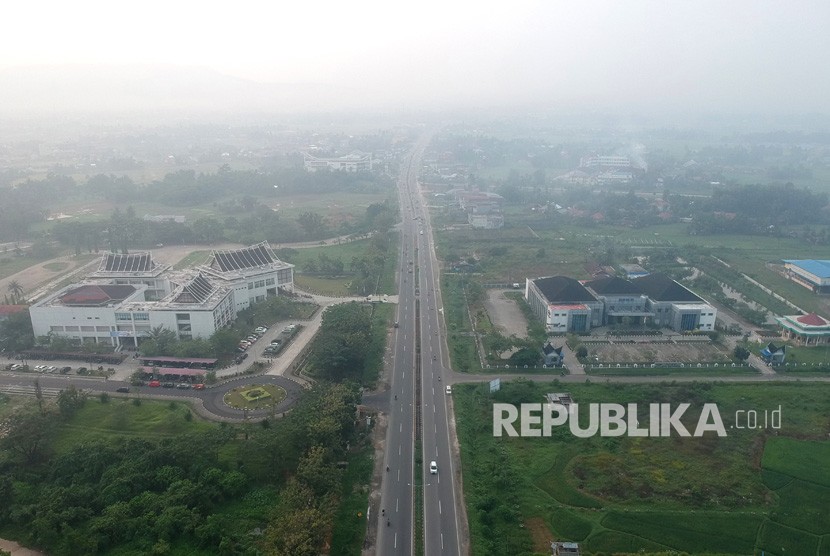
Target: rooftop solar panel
(249,257)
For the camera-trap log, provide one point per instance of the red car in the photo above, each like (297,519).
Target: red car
(154,384)
(198,386)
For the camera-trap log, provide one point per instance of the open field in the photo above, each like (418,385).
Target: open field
(121,417)
(739,494)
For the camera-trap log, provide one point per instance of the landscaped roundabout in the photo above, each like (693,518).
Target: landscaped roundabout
(255,396)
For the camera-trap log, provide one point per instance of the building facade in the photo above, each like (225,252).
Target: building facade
(129,295)
(806,330)
(355,161)
(567,305)
(810,273)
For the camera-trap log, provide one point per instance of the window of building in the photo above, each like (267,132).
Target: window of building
(260,284)
(269,281)
(250,285)
(141,316)
(122,316)
(182,316)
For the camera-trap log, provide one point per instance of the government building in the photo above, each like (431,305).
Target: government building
(128,295)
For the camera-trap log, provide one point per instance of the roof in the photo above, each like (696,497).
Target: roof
(557,289)
(248,257)
(612,285)
(811,319)
(133,262)
(6,310)
(181,372)
(165,359)
(197,290)
(820,268)
(92,295)
(548,349)
(659,287)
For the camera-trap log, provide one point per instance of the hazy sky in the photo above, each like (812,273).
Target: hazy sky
(701,54)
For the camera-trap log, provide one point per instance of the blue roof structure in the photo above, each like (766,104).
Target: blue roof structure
(820,268)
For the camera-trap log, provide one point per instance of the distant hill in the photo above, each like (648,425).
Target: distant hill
(32,90)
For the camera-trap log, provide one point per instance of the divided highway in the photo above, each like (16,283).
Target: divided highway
(419,404)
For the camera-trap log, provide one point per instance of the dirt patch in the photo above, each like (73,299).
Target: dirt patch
(653,352)
(505,314)
(540,534)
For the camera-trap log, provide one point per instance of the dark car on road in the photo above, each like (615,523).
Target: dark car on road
(168,385)
(123,389)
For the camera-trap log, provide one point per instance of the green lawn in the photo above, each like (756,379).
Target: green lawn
(193,259)
(120,417)
(646,495)
(252,396)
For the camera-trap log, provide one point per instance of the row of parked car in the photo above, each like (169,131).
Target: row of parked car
(252,338)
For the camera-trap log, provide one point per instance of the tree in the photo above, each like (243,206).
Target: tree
(499,343)
(163,338)
(312,223)
(29,434)
(70,401)
(581,352)
(741,353)
(16,332)
(16,290)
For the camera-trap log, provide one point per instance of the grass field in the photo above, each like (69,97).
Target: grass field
(191,260)
(253,396)
(646,495)
(671,371)
(120,417)
(335,287)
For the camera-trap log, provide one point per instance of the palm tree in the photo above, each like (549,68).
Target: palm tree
(16,290)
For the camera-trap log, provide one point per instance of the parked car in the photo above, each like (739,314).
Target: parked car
(123,389)
(65,370)
(168,385)
(154,384)
(183,386)
(39,368)
(449,389)
(199,386)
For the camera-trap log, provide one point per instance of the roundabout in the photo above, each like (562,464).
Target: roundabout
(255,396)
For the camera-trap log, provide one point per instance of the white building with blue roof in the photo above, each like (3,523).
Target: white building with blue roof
(813,274)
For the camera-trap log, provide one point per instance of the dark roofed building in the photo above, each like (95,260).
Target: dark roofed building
(659,287)
(563,304)
(612,285)
(566,305)
(562,289)
(552,355)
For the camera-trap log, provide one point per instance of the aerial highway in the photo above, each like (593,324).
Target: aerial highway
(418,420)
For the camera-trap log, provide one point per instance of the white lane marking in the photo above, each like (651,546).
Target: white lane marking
(396,540)
(399,475)
(397,503)
(439,507)
(442,540)
(399,449)
(400,429)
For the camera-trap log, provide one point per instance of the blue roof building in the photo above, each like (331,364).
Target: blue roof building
(813,274)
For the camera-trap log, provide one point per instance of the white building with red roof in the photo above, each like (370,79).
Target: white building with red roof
(807,330)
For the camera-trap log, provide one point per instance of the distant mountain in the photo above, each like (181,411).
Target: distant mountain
(29,90)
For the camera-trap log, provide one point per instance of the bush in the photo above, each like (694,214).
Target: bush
(105,398)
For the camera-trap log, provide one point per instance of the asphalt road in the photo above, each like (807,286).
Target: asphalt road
(212,398)
(418,406)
